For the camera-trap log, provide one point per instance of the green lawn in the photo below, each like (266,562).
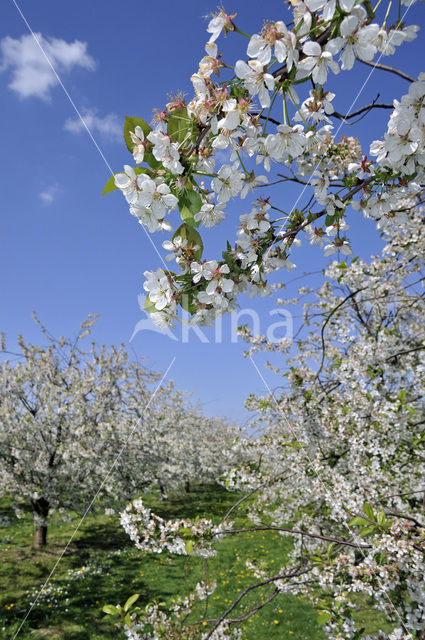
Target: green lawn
(101,566)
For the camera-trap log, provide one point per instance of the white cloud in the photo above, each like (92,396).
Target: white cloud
(109,127)
(47,196)
(31,73)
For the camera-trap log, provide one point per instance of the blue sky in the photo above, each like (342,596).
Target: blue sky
(66,251)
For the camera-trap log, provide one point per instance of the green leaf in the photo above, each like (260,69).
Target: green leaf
(380,518)
(111,610)
(186,232)
(190,203)
(323,617)
(366,531)
(127,620)
(186,302)
(189,544)
(110,185)
(368,509)
(149,306)
(329,551)
(238,91)
(358,520)
(129,125)
(132,599)
(180,125)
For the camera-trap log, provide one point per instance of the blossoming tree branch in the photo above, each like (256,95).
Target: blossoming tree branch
(272,116)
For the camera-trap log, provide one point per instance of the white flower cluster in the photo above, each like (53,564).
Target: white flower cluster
(150,532)
(238,116)
(149,200)
(157,623)
(403,146)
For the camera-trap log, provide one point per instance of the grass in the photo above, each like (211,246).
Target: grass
(101,566)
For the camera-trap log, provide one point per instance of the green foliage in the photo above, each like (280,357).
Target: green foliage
(186,232)
(323,617)
(149,306)
(132,599)
(371,524)
(180,125)
(110,185)
(190,203)
(130,124)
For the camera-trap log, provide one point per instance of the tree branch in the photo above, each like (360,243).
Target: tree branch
(251,611)
(308,534)
(385,67)
(282,576)
(322,332)
(363,110)
(402,353)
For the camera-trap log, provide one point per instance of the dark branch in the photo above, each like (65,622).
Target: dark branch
(363,110)
(322,333)
(282,576)
(319,214)
(385,67)
(346,543)
(253,610)
(403,353)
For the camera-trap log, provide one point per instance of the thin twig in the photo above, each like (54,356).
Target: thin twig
(253,610)
(385,67)
(322,332)
(367,108)
(282,576)
(308,534)
(293,232)
(402,353)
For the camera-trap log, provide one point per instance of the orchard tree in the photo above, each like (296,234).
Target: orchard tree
(64,416)
(350,429)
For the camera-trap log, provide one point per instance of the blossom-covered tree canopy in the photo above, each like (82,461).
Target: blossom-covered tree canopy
(235,112)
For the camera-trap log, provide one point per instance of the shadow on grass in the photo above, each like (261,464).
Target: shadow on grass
(211,500)
(106,536)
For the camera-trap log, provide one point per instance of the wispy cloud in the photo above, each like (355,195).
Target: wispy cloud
(109,127)
(47,196)
(31,73)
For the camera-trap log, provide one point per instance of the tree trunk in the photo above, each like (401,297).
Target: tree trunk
(187,486)
(41,509)
(40,537)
